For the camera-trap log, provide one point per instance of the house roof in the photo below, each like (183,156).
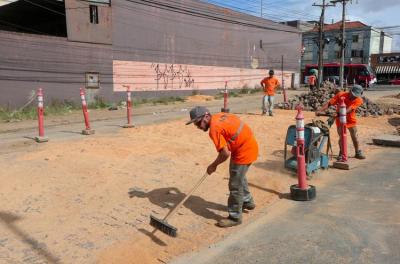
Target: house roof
(338,26)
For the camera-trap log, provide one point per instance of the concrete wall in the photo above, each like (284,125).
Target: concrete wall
(144,36)
(79,27)
(149,35)
(387,44)
(55,64)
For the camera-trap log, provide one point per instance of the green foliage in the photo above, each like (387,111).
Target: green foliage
(99,103)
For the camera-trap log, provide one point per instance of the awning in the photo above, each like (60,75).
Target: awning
(387,69)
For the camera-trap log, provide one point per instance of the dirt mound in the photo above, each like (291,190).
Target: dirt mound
(199,98)
(313,100)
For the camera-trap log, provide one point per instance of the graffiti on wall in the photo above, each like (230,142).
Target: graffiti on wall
(155,76)
(172,74)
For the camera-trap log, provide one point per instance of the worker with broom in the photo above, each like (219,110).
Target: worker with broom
(232,138)
(352,100)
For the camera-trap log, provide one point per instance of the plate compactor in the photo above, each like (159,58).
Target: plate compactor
(316,135)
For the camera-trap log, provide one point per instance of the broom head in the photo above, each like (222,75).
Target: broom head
(163,226)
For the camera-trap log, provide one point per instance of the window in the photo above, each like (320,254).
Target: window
(355,38)
(92,80)
(357,53)
(94,15)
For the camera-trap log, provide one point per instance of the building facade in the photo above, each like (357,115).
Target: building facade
(361,41)
(386,66)
(150,46)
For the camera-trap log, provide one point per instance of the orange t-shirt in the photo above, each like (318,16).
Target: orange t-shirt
(270,84)
(311,80)
(223,126)
(353,104)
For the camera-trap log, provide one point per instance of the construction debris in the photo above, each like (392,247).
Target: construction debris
(315,99)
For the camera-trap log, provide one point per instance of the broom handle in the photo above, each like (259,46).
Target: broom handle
(186,197)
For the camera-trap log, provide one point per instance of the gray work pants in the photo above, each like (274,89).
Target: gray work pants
(238,189)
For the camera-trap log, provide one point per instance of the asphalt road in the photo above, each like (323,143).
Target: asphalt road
(356,219)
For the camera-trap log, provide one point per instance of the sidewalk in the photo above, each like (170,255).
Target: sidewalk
(354,220)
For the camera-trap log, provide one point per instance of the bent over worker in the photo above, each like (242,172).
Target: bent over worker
(269,84)
(231,137)
(352,100)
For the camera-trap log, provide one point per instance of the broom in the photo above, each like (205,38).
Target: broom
(162,224)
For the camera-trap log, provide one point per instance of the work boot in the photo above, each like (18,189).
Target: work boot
(271,114)
(359,155)
(249,206)
(263,113)
(228,222)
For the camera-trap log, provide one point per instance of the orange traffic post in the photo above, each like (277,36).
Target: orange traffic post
(342,162)
(301,191)
(128,107)
(225,109)
(87,130)
(40,111)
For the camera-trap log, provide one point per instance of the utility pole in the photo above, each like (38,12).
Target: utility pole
(343,40)
(321,42)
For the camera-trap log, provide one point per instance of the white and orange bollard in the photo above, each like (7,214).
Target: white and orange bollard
(301,191)
(87,130)
(225,109)
(128,107)
(40,111)
(342,163)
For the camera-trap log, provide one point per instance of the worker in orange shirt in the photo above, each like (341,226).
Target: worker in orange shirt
(312,80)
(269,84)
(352,100)
(231,137)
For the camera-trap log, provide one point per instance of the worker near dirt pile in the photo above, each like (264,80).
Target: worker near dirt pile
(231,137)
(312,79)
(352,100)
(269,84)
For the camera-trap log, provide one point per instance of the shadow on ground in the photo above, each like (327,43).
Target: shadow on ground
(10,220)
(171,196)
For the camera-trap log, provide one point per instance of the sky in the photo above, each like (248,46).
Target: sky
(370,12)
(376,13)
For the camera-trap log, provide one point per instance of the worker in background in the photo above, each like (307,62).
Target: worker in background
(269,84)
(232,138)
(352,100)
(312,80)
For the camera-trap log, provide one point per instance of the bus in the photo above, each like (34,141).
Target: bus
(361,74)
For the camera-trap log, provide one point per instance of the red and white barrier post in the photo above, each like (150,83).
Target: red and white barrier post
(40,111)
(301,191)
(128,107)
(87,130)
(342,162)
(225,109)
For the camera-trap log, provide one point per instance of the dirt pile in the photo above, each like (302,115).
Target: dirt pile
(315,99)
(390,104)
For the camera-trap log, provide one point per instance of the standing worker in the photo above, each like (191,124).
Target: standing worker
(231,137)
(269,84)
(312,79)
(352,100)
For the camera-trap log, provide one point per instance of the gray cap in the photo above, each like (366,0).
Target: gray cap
(356,90)
(197,113)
